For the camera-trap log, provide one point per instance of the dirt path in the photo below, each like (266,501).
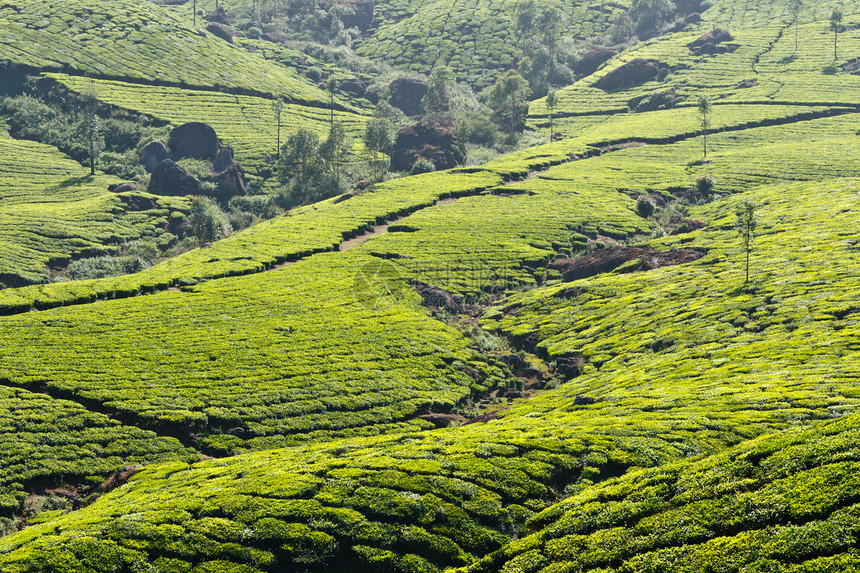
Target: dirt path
(356,242)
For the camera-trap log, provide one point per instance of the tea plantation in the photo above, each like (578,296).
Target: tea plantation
(434,374)
(247,123)
(761,67)
(475,39)
(52,210)
(784,502)
(140,42)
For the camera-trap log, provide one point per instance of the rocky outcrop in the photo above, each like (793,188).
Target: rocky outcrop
(354,87)
(592,60)
(443,420)
(716,36)
(220,16)
(229,175)
(152,154)
(656,101)
(569,367)
(364,14)
(195,139)
(713,43)
(168,178)
(123,187)
(852,67)
(436,299)
(406,93)
(633,73)
(433,139)
(607,260)
(275,37)
(220,31)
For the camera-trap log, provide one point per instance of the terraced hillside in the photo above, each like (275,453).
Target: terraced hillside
(766,62)
(651,406)
(475,39)
(54,213)
(140,42)
(247,123)
(452,371)
(784,502)
(51,210)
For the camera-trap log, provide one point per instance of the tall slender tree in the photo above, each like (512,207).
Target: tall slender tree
(331,86)
(334,150)
(835,24)
(794,6)
(551,23)
(551,102)
(92,125)
(378,138)
(746,225)
(194,11)
(278,109)
(705,108)
(440,90)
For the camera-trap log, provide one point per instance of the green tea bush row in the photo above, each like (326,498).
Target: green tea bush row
(140,42)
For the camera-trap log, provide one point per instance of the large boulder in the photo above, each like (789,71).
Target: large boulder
(220,16)
(275,37)
(123,187)
(354,87)
(592,60)
(433,139)
(152,154)
(168,178)
(195,139)
(364,13)
(656,101)
(709,43)
(229,175)
(633,73)
(220,31)
(406,93)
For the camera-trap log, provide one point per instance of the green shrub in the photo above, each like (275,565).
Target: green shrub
(645,207)
(476,128)
(208,222)
(107,266)
(422,165)
(705,185)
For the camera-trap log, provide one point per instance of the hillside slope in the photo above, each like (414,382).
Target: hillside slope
(432,374)
(51,210)
(784,502)
(156,59)
(475,39)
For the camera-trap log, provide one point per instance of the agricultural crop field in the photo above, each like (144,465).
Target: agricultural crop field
(139,42)
(441,498)
(475,39)
(272,374)
(764,69)
(413,379)
(51,209)
(47,441)
(246,122)
(708,514)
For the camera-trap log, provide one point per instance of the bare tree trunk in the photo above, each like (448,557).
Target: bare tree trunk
(835,41)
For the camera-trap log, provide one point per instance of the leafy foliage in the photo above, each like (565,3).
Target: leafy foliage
(136,40)
(53,210)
